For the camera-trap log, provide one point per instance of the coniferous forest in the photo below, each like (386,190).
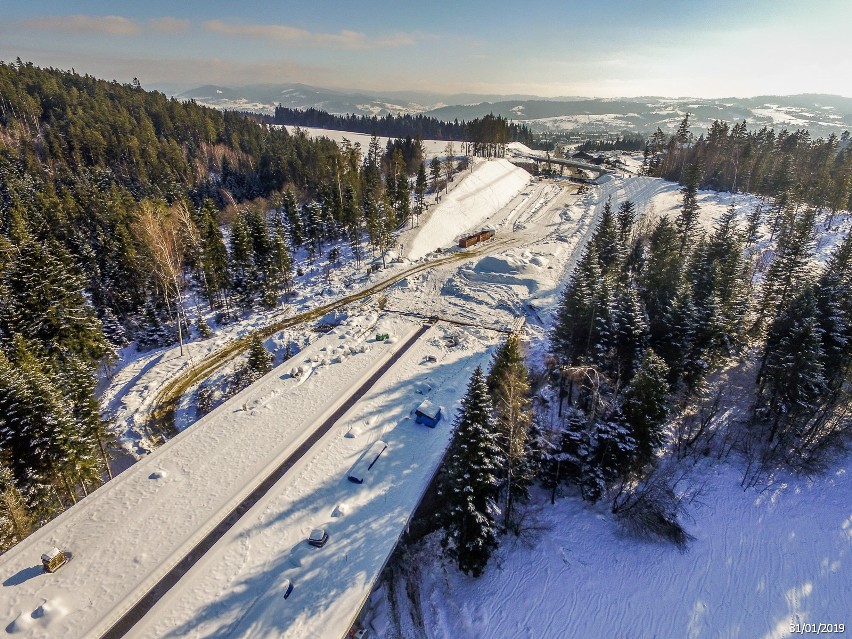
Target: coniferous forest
(488,128)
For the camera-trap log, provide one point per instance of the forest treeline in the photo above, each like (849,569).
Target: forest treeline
(483,130)
(785,165)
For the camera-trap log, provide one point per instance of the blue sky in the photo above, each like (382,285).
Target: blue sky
(604,48)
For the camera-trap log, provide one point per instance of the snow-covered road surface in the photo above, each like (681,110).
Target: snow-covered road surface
(126,535)
(235,589)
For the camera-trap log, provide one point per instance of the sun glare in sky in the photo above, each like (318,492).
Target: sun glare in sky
(610,48)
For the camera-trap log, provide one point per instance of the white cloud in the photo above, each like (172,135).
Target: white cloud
(112,25)
(282,33)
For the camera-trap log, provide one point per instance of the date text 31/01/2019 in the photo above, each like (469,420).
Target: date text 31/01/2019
(817,628)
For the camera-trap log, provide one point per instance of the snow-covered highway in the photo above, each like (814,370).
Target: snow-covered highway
(127,535)
(234,591)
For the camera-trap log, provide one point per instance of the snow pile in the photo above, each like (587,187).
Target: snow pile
(481,194)
(514,270)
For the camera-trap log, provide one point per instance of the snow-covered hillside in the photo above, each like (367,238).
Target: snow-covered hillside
(763,559)
(760,561)
(488,188)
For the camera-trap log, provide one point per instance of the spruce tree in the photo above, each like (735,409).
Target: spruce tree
(793,375)
(606,240)
(626,219)
(420,191)
(688,218)
(646,405)
(242,261)
(45,301)
(214,259)
(575,329)
(259,361)
(469,485)
(661,277)
(834,315)
(509,388)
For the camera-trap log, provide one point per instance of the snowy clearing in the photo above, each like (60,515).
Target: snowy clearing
(760,562)
(433,148)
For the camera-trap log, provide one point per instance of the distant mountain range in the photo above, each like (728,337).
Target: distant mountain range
(820,114)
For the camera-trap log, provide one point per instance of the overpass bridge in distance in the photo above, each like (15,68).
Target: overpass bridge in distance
(575,164)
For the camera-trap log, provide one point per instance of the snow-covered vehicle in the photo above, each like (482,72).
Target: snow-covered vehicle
(53,560)
(318,537)
(360,469)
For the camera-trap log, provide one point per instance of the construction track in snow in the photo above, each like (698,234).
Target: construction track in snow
(161,418)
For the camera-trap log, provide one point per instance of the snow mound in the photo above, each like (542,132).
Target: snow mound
(481,194)
(43,615)
(524,270)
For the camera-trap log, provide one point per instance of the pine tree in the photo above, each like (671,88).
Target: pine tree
(688,218)
(646,405)
(469,483)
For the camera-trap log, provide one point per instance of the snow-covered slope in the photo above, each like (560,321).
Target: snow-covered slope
(481,194)
(760,562)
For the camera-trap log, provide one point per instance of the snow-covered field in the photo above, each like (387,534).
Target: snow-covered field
(760,561)
(432,147)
